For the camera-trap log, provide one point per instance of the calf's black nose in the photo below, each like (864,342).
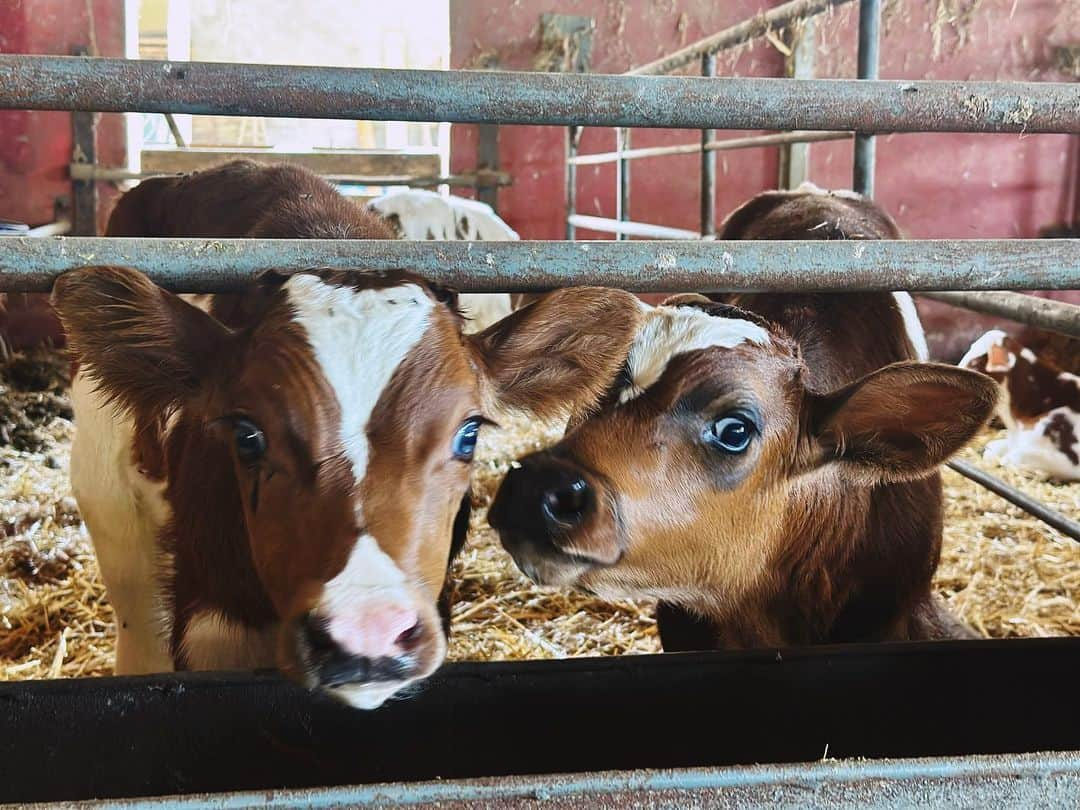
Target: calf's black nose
(540,497)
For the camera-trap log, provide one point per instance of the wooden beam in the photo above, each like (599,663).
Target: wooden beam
(336,163)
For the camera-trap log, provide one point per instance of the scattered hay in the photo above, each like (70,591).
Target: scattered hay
(1004,573)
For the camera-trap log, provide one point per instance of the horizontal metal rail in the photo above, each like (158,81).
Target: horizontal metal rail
(756,26)
(750,142)
(88,171)
(1043,779)
(1057,316)
(208,265)
(643,230)
(206,88)
(1069,528)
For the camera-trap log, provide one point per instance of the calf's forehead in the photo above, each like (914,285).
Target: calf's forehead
(670,332)
(359,338)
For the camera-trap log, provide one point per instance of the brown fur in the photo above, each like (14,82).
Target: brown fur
(828,527)
(257,543)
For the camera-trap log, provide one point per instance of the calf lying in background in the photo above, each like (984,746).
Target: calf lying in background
(765,467)
(280,477)
(1039,405)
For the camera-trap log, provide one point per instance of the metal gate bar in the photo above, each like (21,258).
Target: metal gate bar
(756,26)
(206,265)
(206,88)
(1057,316)
(749,142)
(869,48)
(1010,780)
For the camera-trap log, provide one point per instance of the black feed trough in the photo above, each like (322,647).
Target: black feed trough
(130,737)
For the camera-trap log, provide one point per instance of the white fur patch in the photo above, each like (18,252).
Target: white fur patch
(427,215)
(212,641)
(807,187)
(359,338)
(422,212)
(912,325)
(982,346)
(670,331)
(370,573)
(124,512)
(1031,449)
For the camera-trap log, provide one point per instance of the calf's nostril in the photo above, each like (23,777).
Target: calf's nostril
(408,638)
(566,505)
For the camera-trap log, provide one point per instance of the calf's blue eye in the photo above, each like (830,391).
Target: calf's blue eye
(464,444)
(732,434)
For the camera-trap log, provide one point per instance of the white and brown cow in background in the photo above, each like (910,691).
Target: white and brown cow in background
(279,476)
(419,214)
(765,467)
(1039,403)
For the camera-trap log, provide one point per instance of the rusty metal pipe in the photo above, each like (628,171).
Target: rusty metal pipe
(749,142)
(627,228)
(205,88)
(1057,316)
(209,265)
(756,26)
(1056,520)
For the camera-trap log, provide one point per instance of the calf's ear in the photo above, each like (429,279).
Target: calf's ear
(558,355)
(898,423)
(146,348)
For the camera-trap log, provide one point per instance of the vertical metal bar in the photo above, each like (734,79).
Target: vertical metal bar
(83,150)
(869,46)
(795,157)
(174,128)
(572,135)
(708,162)
(487,160)
(622,179)
(84,195)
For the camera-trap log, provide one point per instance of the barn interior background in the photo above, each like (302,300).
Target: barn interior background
(1004,572)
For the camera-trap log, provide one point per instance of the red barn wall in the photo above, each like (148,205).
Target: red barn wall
(36,147)
(936,185)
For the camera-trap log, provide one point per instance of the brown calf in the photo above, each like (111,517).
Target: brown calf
(766,467)
(277,479)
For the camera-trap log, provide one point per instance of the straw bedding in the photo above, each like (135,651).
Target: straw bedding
(1003,572)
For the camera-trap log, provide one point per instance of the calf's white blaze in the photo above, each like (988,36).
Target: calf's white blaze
(669,331)
(359,338)
(370,577)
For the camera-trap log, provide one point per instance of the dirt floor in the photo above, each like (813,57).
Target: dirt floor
(1003,572)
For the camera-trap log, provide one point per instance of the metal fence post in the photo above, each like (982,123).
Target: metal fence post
(708,162)
(869,46)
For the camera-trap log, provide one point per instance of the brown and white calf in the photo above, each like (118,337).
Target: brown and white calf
(280,479)
(765,467)
(1039,405)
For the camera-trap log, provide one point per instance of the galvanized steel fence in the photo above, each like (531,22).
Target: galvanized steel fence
(834,108)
